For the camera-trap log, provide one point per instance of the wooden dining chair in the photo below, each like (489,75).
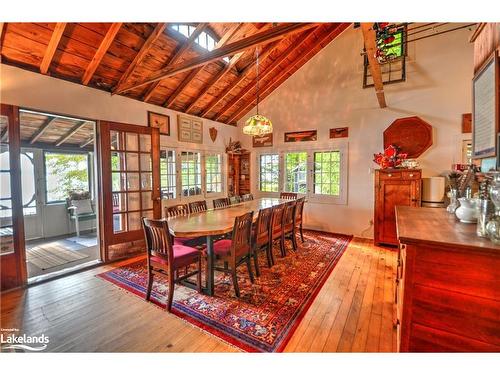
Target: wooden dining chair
(288,231)
(176,211)
(165,258)
(198,206)
(288,195)
(237,250)
(299,210)
(235,199)
(247,197)
(221,202)
(276,228)
(260,238)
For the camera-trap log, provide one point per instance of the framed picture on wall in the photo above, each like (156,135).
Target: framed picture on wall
(265,140)
(190,129)
(160,121)
(485,107)
(302,136)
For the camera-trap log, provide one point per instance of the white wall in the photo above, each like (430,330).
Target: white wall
(327,92)
(35,91)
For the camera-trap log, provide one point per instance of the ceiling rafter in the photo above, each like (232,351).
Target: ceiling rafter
(52,47)
(42,129)
(4,134)
(146,47)
(371,48)
(264,54)
(225,38)
(176,56)
(303,38)
(282,76)
(101,51)
(267,36)
(87,142)
(70,133)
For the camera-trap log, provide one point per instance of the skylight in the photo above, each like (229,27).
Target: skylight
(204,40)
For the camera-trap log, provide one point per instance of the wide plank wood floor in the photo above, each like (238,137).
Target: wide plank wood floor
(82,313)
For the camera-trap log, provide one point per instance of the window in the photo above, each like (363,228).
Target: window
(269,173)
(204,40)
(167,174)
(65,172)
(213,168)
(190,173)
(296,172)
(327,173)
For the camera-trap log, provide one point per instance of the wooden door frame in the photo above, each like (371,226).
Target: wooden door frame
(16,260)
(107,235)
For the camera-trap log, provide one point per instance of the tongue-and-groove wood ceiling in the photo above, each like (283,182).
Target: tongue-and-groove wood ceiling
(154,63)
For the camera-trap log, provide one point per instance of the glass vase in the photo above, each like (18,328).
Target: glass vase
(453,195)
(493,226)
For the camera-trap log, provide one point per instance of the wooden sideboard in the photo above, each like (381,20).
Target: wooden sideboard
(393,187)
(447,284)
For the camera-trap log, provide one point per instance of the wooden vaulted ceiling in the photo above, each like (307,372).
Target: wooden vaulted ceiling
(153,63)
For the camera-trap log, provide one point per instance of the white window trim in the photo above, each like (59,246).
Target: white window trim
(340,146)
(178,179)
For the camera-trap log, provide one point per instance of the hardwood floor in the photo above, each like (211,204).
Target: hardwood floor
(82,313)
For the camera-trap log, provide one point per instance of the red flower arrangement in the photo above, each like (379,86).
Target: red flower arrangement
(391,158)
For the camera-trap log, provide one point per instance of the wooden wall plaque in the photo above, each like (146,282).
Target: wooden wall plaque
(467,123)
(339,132)
(411,134)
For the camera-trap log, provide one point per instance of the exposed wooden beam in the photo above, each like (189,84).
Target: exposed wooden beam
(101,51)
(87,142)
(304,56)
(216,79)
(70,133)
(225,38)
(220,97)
(376,72)
(52,47)
(176,56)
(146,47)
(230,49)
(269,70)
(42,129)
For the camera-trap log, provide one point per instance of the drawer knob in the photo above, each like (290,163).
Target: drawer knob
(411,174)
(390,175)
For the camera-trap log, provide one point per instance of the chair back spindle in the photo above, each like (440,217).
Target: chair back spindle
(198,206)
(221,202)
(288,195)
(177,210)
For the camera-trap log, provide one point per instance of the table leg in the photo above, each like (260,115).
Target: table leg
(210,266)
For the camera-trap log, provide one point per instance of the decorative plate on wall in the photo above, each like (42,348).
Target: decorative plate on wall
(411,134)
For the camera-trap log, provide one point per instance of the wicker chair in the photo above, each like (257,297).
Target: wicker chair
(165,258)
(237,250)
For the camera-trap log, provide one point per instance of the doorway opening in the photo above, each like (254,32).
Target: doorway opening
(58,174)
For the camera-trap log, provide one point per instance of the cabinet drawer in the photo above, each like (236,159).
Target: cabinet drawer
(411,175)
(391,175)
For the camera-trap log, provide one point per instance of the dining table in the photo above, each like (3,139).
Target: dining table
(214,223)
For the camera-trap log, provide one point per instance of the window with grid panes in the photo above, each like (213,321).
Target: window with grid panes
(269,173)
(204,40)
(213,173)
(296,172)
(168,174)
(326,173)
(190,173)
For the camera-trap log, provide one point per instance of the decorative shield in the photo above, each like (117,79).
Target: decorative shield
(213,134)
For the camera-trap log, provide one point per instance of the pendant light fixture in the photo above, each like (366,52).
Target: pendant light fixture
(258,124)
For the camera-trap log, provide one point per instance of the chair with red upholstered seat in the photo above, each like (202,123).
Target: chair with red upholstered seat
(260,238)
(175,211)
(299,210)
(165,258)
(198,206)
(289,223)
(237,250)
(277,228)
(288,195)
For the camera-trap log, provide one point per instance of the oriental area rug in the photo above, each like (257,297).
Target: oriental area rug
(264,318)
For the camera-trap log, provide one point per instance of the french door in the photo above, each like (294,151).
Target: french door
(129,185)
(12,251)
